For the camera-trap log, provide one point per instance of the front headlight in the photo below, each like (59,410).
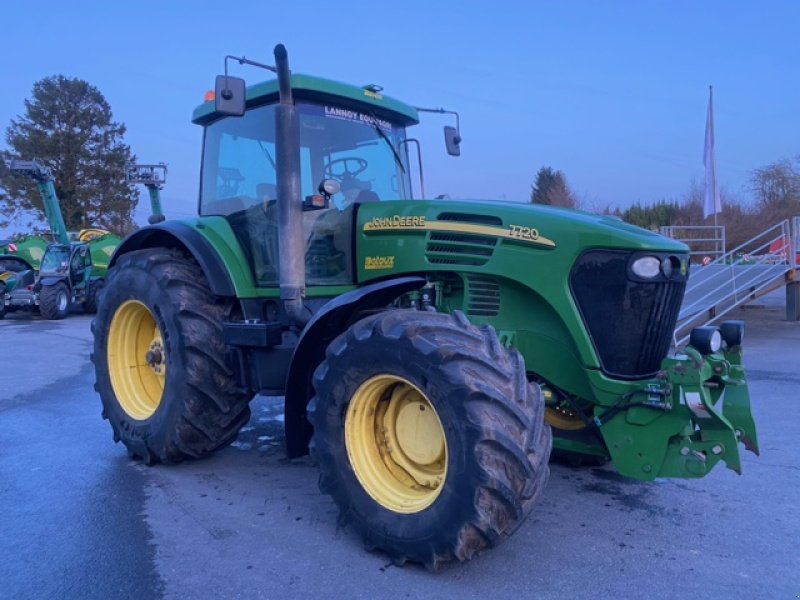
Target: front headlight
(646,267)
(706,340)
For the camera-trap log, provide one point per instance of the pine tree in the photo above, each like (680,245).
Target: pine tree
(68,127)
(551,188)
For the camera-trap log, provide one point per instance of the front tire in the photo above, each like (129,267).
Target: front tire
(160,359)
(428,435)
(54,301)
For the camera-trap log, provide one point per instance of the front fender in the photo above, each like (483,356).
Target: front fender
(176,234)
(50,280)
(327,323)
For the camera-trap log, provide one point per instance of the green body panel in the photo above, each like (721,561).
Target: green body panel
(31,249)
(102,249)
(217,231)
(536,304)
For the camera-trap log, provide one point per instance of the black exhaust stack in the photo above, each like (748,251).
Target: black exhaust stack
(291,250)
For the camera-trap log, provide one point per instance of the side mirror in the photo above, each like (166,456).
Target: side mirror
(452,141)
(229,95)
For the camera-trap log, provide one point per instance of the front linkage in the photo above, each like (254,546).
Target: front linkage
(690,417)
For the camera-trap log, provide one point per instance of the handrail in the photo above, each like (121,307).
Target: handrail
(736,277)
(713,242)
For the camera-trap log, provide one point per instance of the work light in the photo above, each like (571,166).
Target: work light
(732,333)
(706,339)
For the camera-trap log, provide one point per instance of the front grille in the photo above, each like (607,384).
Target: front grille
(629,321)
(483,296)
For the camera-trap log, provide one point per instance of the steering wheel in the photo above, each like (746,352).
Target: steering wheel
(345,173)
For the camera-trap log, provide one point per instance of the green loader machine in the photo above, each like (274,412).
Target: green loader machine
(20,259)
(28,248)
(72,268)
(430,352)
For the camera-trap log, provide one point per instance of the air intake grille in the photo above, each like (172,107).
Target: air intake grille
(483,296)
(459,249)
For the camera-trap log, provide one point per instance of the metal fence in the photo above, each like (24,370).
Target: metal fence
(703,240)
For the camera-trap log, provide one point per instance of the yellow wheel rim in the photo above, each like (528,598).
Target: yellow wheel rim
(563,418)
(137,361)
(396,444)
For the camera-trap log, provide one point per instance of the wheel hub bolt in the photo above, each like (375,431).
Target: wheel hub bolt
(153,357)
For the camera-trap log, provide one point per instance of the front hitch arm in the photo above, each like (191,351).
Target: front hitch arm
(705,415)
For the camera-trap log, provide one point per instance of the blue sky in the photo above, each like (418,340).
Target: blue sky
(612,93)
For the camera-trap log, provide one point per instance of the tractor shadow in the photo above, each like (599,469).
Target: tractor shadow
(579,504)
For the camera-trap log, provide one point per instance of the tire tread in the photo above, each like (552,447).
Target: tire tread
(213,408)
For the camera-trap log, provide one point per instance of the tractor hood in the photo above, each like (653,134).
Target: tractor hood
(542,227)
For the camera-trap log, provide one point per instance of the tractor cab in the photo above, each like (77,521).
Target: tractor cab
(71,262)
(352,151)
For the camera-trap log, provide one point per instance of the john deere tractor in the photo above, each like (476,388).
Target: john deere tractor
(73,266)
(428,350)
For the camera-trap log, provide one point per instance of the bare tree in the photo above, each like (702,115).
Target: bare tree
(777,190)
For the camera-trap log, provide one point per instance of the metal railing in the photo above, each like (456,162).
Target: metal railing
(703,240)
(749,271)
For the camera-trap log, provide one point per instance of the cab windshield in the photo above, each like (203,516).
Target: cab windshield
(358,149)
(55,260)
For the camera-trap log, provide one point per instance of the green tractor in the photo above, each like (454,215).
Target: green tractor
(430,352)
(72,268)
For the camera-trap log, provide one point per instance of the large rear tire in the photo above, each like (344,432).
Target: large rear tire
(54,301)
(159,359)
(428,435)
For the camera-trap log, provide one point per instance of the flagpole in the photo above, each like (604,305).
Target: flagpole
(711,101)
(711,204)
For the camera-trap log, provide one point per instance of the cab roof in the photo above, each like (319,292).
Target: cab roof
(306,87)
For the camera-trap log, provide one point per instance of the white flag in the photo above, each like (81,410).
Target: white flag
(712,204)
